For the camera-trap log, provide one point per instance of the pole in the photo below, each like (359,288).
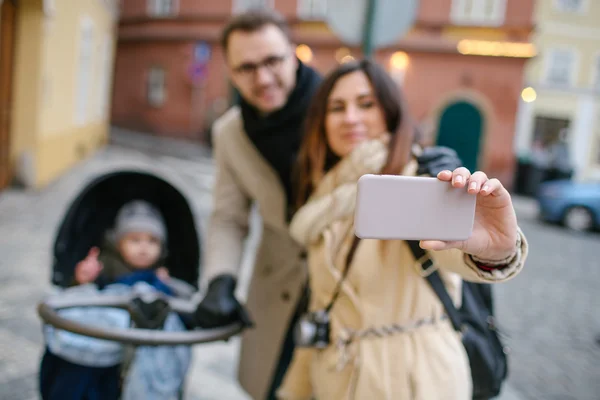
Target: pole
(368,29)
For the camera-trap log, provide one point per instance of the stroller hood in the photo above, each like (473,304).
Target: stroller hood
(92,213)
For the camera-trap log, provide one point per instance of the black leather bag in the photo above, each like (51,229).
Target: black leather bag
(475,320)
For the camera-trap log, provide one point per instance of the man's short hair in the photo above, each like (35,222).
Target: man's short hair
(252,21)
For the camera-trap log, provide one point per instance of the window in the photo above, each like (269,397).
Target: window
(104,81)
(560,67)
(244,5)
(84,72)
(551,142)
(162,8)
(478,12)
(156,87)
(312,9)
(573,6)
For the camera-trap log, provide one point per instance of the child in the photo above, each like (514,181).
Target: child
(133,252)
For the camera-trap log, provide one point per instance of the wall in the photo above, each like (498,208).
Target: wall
(183,112)
(26,89)
(46,138)
(577,102)
(493,84)
(63,140)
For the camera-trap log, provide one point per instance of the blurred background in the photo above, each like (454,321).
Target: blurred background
(512,85)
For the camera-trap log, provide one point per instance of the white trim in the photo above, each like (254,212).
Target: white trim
(49,7)
(525,122)
(595,75)
(574,73)
(584,7)
(582,134)
(105,78)
(84,76)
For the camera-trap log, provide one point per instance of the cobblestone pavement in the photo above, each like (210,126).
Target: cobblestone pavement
(550,311)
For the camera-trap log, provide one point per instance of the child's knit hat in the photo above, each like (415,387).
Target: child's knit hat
(139,216)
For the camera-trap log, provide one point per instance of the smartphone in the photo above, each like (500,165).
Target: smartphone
(412,208)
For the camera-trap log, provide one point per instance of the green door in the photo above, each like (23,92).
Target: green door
(460,129)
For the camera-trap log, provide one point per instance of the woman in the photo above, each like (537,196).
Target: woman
(346,138)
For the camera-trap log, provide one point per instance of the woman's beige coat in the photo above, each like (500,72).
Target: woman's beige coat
(244,177)
(383,287)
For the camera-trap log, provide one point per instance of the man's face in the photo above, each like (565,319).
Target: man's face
(262,66)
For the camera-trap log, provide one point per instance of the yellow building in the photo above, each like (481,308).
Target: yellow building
(561,96)
(56,64)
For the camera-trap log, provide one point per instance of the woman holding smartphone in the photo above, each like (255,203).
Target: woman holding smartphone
(357,125)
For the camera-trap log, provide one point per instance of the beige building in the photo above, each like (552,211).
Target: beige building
(561,96)
(56,63)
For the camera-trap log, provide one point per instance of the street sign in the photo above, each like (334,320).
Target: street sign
(202,52)
(391,20)
(199,72)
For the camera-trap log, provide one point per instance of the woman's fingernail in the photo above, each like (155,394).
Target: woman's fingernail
(473,185)
(485,188)
(459,179)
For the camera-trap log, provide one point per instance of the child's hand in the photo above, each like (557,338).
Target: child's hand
(88,269)
(163,274)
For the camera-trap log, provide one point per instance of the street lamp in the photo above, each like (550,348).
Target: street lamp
(528,95)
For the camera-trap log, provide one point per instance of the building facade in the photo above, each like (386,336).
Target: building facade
(560,105)
(55,83)
(461,67)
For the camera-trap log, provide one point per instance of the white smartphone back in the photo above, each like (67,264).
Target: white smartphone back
(412,208)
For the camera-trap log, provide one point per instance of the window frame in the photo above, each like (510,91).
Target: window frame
(153,8)
(573,73)
(459,16)
(85,69)
(305,10)
(151,98)
(240,6)
(584,7)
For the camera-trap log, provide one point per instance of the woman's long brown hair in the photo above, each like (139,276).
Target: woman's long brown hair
(315,156)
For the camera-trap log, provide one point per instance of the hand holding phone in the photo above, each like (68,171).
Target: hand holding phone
(470,212)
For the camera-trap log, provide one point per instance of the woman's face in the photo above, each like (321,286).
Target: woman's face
(353,114)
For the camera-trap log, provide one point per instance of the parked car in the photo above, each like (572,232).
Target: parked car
(576,205)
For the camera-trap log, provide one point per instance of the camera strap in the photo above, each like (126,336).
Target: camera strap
(338,287)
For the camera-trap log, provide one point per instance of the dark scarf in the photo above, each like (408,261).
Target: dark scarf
(278,136)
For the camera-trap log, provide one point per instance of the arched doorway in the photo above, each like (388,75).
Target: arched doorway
(460,128)
(8,13)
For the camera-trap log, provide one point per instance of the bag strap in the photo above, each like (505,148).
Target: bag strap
(436,283)
(338,287)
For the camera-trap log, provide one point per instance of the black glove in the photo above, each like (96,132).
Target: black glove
(220,307)
(436,159)
(150,315)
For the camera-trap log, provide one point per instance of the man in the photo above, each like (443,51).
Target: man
(255,147)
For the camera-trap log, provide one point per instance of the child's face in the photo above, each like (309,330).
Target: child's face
(139,250)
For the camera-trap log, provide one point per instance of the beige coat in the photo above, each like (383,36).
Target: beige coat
(244,177)
(383,288)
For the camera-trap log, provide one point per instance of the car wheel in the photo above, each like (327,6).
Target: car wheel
(578,219)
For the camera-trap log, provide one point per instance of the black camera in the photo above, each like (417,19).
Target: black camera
(312,330)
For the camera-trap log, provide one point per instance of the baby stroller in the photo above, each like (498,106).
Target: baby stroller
(84,226)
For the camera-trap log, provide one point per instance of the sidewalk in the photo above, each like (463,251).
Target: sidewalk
(28,221)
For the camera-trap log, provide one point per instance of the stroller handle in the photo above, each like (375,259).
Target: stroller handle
(47,310)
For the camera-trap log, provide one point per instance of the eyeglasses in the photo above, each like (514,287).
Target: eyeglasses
(272,63)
